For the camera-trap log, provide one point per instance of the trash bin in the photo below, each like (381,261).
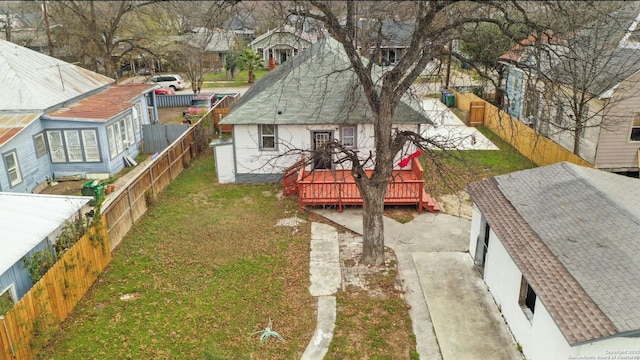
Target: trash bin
(93,188)
(444,94)
(450,100)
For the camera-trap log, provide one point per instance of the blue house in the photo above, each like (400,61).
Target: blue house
(29,223)
(58,119)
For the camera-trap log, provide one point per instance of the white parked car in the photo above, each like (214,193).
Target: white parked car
(172,81)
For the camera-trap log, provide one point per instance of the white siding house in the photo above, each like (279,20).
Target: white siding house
(557,248)
(299,106)
(278,45)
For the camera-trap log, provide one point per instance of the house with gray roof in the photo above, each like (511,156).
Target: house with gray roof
(215,44)
(591,74)
(390,46)
(301,105)
(280,44)
(558,248)
(58,119)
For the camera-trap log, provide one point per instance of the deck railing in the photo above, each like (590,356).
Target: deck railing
(342,190)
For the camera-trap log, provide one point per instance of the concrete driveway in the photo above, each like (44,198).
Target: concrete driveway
(453,314)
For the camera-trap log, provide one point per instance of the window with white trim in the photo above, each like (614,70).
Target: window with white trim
(131,139)
(74,148)
(137,117)
(120,136)
(267,137)
(348,136)
(123,134)
(90,142)
(13,167)
(635,128)
(112,142)
(56,146)
(40,144)
(73,145)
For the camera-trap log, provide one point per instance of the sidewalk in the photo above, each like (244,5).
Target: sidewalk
(453,315)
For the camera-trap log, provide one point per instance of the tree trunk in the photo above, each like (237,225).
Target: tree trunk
(250,71)
(372,223)
(577,137)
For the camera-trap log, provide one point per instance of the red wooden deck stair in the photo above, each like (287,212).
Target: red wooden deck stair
(338,188)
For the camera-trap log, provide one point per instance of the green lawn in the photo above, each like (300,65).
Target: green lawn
(449,172)
(206,268)
(240,78)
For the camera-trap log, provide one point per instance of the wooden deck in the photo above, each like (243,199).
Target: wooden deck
(338,188)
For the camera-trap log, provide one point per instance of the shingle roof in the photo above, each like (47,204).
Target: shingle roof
(103,105)
(34,81)
(595,58)
(311,38)
(573,233)
(217,40)
(395,33)
(318,86)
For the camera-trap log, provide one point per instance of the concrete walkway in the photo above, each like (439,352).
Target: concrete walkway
(453,315)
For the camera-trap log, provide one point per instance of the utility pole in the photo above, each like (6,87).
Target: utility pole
(446,84)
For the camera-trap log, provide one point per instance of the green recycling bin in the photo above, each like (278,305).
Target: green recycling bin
(450,100)
(93,188)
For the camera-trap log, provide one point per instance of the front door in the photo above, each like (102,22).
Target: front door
(321,155)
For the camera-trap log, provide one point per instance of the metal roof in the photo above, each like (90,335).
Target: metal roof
(11,124)
(34,81)
(318,86)
(27,219)
(103,105)
(573,231)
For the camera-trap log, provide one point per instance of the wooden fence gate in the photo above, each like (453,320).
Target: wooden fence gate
(476,113)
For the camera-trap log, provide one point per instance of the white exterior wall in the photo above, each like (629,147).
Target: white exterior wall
(541,339)
(249,159)
(476,217)
(224,163)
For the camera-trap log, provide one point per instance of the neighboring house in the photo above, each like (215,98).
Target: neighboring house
(558,248)
(590,75)
(301,105)
(58,119)
(242,25)
(216,44)
(396,38)
(30,223)
(281,44)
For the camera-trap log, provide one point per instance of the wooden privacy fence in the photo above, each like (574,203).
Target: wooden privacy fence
(131,201)
(537,148)
(26,327)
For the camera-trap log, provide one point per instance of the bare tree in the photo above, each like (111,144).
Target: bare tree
(96,30)
(572,71)
(435,24)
